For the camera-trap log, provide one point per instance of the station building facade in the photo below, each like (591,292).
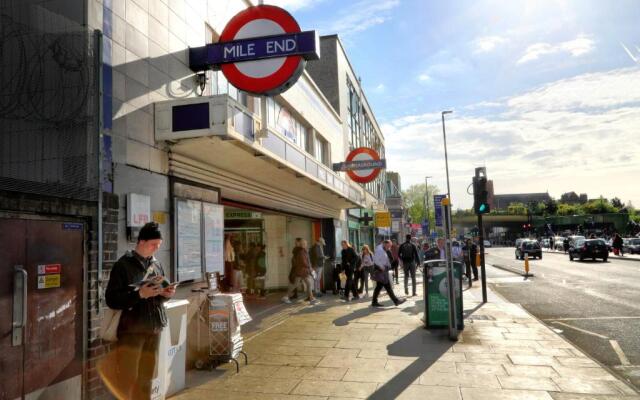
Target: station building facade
(86,159)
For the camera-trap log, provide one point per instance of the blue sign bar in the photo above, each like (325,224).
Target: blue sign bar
(213,55)
(359,165)
(437,201)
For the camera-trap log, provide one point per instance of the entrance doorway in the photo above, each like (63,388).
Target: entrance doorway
(41,309)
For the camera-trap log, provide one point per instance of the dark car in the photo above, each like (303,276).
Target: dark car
(590,248)
(531,247)
(632,246)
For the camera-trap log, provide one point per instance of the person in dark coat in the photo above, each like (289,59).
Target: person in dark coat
(617,244)
(349,264)
(143,314)
(408,254)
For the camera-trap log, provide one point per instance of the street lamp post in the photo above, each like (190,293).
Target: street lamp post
(446,158)
(426,204)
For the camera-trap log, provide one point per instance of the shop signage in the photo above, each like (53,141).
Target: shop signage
(383,219)
(71,226)
(46,269)
(138,209)
(48,281)
(261,50)
(233,214)
(362,164)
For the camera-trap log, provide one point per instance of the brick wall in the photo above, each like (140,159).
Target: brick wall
(96,347)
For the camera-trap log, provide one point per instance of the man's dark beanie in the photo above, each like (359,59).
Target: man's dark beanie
(149,231)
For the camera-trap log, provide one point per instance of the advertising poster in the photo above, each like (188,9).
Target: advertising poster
(213,237)
(189,239)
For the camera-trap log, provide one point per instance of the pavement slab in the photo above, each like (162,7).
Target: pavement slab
(337,350)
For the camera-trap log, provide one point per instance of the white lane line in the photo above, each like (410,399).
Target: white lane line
(587,318)
(580,330)
(616,347)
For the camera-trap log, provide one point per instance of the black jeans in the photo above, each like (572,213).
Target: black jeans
(387,287)
(394,266)
(474,268)
(409,269)
(137,360)
(350,286)
(364,280)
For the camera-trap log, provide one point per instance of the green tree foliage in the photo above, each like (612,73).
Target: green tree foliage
(599,206)
(551,207)
(569,209)
(414,202)
(517,209)
(617,203)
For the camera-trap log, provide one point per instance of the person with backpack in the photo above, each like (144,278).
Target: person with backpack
(408,254)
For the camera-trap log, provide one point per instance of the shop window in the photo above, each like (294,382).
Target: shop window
(322,151)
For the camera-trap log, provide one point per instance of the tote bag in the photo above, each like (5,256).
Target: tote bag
(109,326)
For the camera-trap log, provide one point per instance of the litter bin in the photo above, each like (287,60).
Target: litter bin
(172,356)
(436,295)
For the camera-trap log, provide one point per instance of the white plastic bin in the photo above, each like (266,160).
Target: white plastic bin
(172,357)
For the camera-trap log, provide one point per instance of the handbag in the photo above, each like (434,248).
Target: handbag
(343,278)
(109,325)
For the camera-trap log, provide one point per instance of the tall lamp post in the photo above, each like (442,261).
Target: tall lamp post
(446,159)
(426,204)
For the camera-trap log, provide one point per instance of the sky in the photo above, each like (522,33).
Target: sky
(544,94)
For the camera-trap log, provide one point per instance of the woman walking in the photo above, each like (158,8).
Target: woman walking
(366,266)
(349,265)
(300,272)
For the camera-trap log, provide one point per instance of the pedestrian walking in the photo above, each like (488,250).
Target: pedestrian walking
(617,244)
(472,248)
(395,262)
(381,267)
(317,263)
(408,254)
(143,313)
(430,253)
(367,268)
(551,247)
(442,252)
(565,244)
(349,265)
(229,255)
(301,272)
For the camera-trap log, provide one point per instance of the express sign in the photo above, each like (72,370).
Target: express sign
(261,50)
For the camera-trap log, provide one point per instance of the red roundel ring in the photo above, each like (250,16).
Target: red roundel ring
(291,65)
(372,155)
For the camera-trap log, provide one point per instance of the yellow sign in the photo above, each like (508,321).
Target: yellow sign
(383,219)
(48,281)
(160,217)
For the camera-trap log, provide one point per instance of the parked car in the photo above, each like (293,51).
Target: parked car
(631,246)
(588,248)
(528,246)
(519,241)
(545,242)
(487,243)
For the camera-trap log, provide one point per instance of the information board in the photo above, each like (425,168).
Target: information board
(213,237)
(437,201)
(189,230)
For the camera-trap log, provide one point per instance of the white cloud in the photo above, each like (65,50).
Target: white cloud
(424,78)
(581,45)
(380,88)
(292,5)
(486,44)
(360,16)
(576,134)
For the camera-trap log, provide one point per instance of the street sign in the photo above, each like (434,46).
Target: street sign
(425,228)
(383,219)
(437,201)
(362,165)
(261,50)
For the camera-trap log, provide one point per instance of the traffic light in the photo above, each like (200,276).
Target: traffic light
(480,195)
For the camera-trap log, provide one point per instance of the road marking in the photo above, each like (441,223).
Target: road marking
(580,330)
(587,318)
(616,347)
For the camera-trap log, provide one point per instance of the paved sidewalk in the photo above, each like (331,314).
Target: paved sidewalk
(338,350)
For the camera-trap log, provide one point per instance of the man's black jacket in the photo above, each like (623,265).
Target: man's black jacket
(139,315)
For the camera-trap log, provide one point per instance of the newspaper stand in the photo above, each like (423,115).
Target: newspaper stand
(225,314)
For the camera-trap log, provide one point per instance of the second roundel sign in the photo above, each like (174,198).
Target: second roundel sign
(364,156)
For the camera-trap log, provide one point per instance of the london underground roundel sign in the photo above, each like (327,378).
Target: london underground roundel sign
(269,75)
(363,164)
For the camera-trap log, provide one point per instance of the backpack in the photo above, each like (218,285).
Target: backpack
(406,252)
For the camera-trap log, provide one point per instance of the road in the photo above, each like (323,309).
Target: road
(594,305)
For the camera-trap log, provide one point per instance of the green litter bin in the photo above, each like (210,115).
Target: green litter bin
(436,296)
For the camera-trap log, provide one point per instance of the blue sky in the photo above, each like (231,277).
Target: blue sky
(546,94)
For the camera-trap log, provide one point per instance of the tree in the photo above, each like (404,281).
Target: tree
(617,203)
(599,206)
(413,200)
(551,207)
(569,209)
(517,209)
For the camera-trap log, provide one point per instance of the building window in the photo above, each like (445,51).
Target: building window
(322,150)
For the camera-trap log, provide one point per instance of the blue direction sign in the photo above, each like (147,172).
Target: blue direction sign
(425,227)
(359,165)
(289,44)
(437,200)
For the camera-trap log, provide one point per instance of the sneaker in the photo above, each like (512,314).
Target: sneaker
(414,295)
(400,301)
(313,301)
(356,298)
(406,292)
(286,299)
(376,305)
